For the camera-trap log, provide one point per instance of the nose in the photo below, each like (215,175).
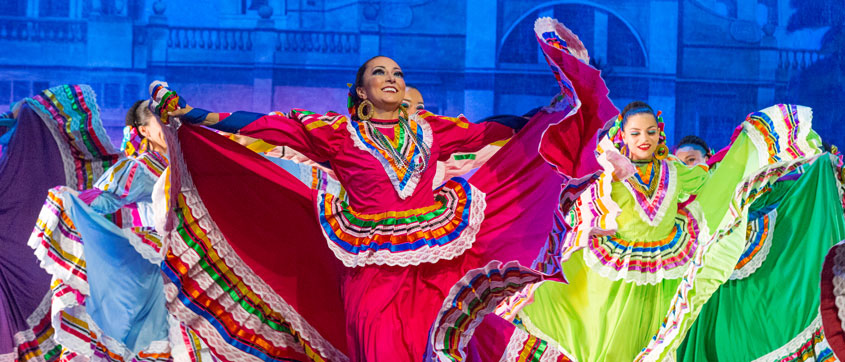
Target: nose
(391,78)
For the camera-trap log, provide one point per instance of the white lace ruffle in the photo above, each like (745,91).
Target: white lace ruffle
(678,317)
(430,254)
(664,206)
(67,158)
(515,348)
(795,343)
(411,185)
(252,281)
(757,261)
(839,281)
(49,220)
(532,330)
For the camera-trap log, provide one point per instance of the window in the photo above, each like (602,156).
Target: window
(623,46)
(13,7)
(55,8)
(20,90)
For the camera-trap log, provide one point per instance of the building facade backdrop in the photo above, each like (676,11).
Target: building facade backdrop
(705,63)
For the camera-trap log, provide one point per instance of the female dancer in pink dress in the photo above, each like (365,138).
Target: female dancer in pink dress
(248,266)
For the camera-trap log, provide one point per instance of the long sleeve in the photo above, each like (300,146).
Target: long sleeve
(456,134)
(316,136)
(691,178)
(128,181)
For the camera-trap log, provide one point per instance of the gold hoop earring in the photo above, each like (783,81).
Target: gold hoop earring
(661,152)
(365,115)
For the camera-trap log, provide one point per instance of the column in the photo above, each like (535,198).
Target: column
(264,47)
(662,50)
(480,58)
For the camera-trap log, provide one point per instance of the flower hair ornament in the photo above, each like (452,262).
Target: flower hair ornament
(164,100)
(133,144)
(615,134)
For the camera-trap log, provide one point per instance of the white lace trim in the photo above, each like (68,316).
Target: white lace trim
(517,341)
(147,252)
(643,278)
(78,143)
(798,140)
(574,44)
(49,220)
(664,206)
(757,260)
(245,273)
(67,158)
(795,343)
(68,303)
(31,321)
(533,330)
(441,324)
(678,317)
(426,254)
(411,185)
(838,280)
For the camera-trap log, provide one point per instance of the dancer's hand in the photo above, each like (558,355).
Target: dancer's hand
(622,166)
(180,112)
(210,118)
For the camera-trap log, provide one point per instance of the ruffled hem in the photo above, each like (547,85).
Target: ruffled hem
(194,233)
(61,253)
(147,242)
(809,345)
(405,238)
(596,211)
(56,243)
(832,303)
(473,297)
(617,259)
(758,244)
(36,342)
(523,344)
(89,152)
(682,312)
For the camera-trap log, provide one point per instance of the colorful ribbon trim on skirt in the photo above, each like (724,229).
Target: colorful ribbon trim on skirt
(644,262)
(441,231)
(74,109)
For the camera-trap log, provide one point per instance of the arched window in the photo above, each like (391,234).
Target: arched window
(609,39)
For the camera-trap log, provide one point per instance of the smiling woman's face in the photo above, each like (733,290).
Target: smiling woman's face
(641,135)
(383,84)
(413,100)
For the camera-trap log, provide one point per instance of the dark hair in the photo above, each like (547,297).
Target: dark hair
(135,116)
(695,141)
(359,80)
(636,107)
(827,147)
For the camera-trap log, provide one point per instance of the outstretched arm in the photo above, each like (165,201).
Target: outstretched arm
(300,130)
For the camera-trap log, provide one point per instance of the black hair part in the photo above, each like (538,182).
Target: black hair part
(135,116)
(694,140)
(636,107)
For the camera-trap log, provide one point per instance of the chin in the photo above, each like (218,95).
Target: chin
(640,156)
